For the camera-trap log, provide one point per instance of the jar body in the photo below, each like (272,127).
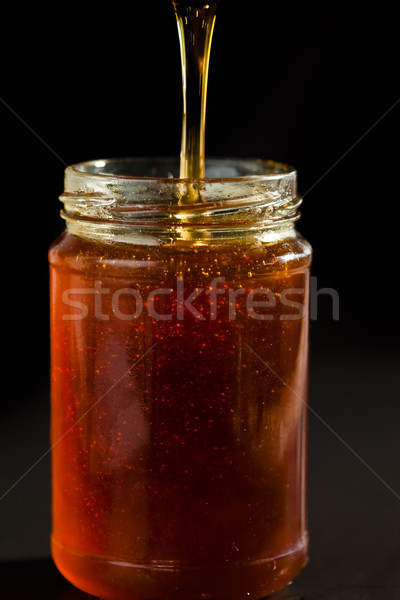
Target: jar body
(178,430)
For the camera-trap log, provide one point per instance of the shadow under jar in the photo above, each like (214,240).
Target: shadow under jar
(179,381)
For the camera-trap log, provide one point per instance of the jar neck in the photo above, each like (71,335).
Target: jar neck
(153,236)
(116,200)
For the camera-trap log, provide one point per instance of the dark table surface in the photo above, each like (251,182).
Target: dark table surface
(354,492)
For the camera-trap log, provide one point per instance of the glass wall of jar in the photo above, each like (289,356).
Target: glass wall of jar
(179,326)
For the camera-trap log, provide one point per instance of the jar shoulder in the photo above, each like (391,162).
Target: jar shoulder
(73,253)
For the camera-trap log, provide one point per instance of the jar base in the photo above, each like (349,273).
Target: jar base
(119,580)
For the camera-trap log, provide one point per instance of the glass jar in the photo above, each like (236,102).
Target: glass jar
(179,380)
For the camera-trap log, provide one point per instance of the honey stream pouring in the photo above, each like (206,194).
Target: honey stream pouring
(195,20)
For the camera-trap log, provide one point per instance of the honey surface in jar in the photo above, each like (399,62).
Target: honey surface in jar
(179,433)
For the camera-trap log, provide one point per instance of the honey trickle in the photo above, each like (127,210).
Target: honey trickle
(195,21)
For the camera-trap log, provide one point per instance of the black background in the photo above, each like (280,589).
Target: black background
(311,85)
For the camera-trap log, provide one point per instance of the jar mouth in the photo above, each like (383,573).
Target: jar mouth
(166,169)
(142,193)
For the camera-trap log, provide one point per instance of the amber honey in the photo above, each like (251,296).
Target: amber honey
(179,347)
(179,435)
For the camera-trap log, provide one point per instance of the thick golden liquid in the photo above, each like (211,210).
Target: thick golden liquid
(180,476)
(195,21)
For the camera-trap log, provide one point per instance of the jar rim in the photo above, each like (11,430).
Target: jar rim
(142,194)
(268,170)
